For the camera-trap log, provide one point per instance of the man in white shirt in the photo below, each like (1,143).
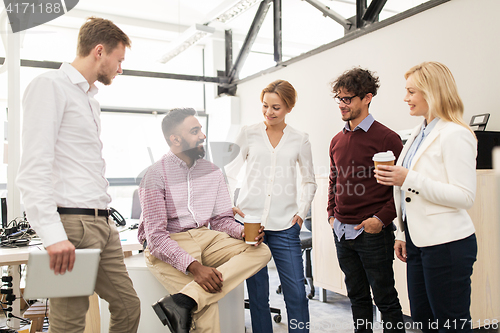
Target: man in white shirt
(61,177)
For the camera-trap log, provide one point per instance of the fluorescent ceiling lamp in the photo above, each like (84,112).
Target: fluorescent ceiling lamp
(188,38)
(235,10)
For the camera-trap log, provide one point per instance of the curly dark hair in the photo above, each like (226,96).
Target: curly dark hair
(357,81)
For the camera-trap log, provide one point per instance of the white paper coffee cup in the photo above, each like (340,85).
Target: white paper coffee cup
(252,226)
(384,158)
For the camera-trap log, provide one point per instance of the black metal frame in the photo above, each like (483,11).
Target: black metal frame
(372,12)
(277,41)
(360,11)
(328,12)
(249,39)
(350,35)
(128,72)
(365,21)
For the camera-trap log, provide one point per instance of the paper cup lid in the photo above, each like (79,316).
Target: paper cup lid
(384,156)
(251,219)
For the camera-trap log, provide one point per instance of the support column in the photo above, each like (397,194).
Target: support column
(14,150)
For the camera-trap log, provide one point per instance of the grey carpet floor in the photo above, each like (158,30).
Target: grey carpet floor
(334,315)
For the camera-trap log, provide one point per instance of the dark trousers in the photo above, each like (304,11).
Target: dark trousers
(367,262)
(439,284)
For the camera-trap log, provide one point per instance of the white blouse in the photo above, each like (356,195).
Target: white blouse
(269,188)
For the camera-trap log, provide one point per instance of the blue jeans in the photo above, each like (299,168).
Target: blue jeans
(367,262)
(439,284)
(287,254)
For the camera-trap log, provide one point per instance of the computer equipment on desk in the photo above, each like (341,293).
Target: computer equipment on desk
(15,233)
(486,141)
(479,120)
(4,212)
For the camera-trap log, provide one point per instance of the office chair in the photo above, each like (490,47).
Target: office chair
(277,316)
(136,206)
(306,246)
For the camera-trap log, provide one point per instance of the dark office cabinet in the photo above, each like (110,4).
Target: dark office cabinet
(486,140)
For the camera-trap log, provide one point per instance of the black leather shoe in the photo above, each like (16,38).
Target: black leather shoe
(177,319)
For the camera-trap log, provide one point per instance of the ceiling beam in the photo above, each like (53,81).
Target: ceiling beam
(250,39)
(353,2)
(278,45)
(223,81)
(360,11)
(330,13)
(221,89)
(373,10)
(238,37)
(349,37)
(228,41)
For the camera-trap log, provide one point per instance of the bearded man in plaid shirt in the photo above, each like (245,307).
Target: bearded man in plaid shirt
(182,195)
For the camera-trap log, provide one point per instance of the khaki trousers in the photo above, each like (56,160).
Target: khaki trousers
(235,259)
(67,315)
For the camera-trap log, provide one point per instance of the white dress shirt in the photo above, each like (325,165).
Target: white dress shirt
(61,164)
(269,188)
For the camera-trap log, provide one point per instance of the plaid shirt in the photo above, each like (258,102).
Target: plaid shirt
(175,198)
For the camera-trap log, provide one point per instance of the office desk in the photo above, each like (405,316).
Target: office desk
(128,238)
(15,257)
(19,255)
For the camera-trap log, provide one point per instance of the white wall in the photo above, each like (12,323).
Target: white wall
(460,33)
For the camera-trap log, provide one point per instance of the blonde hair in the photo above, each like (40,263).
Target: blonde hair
(439,90)
(284,90)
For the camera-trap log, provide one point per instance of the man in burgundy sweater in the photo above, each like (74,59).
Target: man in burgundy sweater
(360,210)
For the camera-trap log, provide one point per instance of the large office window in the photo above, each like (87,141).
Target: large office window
(131,143)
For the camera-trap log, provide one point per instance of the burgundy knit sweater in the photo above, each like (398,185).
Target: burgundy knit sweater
(353,192)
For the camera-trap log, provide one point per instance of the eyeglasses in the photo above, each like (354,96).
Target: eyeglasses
(346,100)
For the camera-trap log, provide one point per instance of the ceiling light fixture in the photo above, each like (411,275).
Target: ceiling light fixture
(188,38)
(199,31)
(235,10)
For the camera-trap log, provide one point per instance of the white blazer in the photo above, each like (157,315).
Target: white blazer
(440,186)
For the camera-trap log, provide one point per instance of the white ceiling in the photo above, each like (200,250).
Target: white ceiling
(304,27)
(154,24)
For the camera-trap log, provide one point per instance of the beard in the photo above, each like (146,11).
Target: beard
(353,114)
(104,79)
(195,153)
(104,76)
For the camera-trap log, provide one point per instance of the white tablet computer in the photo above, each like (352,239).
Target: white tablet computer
(41,282)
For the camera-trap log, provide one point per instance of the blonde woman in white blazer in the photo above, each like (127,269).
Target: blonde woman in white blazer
(434,184)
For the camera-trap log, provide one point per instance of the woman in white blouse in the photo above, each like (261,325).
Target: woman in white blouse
(271,150)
